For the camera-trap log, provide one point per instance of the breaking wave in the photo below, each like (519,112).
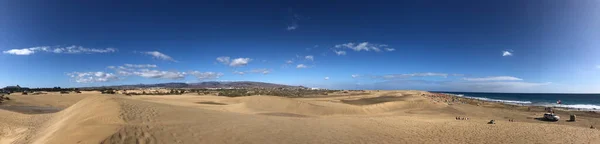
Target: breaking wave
(494,100)
(544,104)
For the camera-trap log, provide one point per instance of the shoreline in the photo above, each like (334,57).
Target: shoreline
(513,106)
(564,107)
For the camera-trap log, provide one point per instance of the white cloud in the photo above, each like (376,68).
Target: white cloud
(240,62)
(79,49)
(326,78)
(467,86)
(293,22)
(147,71)
(394,76)
(160,74)
(494,86)
(239,72)
(92,77)
(340,52)
(206,75)
(355,75)
(124,70)
(19,51)
(507,53)
(365,46)
(495,78)
(223,59)
(263,71)
(289,62)
(309,57)
(124,73)
(458,75)
(141,65)
(301,66)
(159,55)
(292,27)
(68,50)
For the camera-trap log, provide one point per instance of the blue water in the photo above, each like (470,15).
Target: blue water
(572,101)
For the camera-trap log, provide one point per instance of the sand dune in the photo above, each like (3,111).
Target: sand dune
(379,117)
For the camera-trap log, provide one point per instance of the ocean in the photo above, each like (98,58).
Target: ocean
(570,101)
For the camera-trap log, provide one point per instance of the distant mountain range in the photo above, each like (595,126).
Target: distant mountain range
(212,84)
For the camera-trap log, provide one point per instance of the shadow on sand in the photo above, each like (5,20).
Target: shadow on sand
(31,109)
(211,103)
(544,119)
(284,114)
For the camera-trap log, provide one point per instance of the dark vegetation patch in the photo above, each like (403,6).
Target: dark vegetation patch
(375,100)
(273,92)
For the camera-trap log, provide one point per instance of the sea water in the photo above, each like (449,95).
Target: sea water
(586,102)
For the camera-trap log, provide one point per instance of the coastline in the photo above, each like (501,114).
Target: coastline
(525,107)
(572,102)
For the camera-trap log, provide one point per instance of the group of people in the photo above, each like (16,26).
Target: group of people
(462,118)
(511,120)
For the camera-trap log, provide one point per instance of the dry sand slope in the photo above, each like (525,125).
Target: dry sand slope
(383,117)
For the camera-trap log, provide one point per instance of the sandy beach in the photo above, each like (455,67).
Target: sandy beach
(372,117)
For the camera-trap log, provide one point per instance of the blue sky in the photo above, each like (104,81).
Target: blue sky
(500,46)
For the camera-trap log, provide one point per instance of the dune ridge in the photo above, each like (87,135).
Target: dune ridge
(86,121)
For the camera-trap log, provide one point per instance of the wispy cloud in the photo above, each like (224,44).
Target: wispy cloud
(289,62)
(340,52)
(301,66)
(92,77)
(223,59)
(58,50)
(309,57)
(79,49)
(401,76)
(206,75)
(326,78)
(140,65)
(468,86)
(598,66)
(494,78)
(240,62)
(507,53)
(159,55)
(355,76)
(160,74)
(293,26)
(146,71)
(365,46)
(123,70)
(239,72)
(293,22)
(262,71)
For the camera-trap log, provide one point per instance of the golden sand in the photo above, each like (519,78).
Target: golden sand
(377,117)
